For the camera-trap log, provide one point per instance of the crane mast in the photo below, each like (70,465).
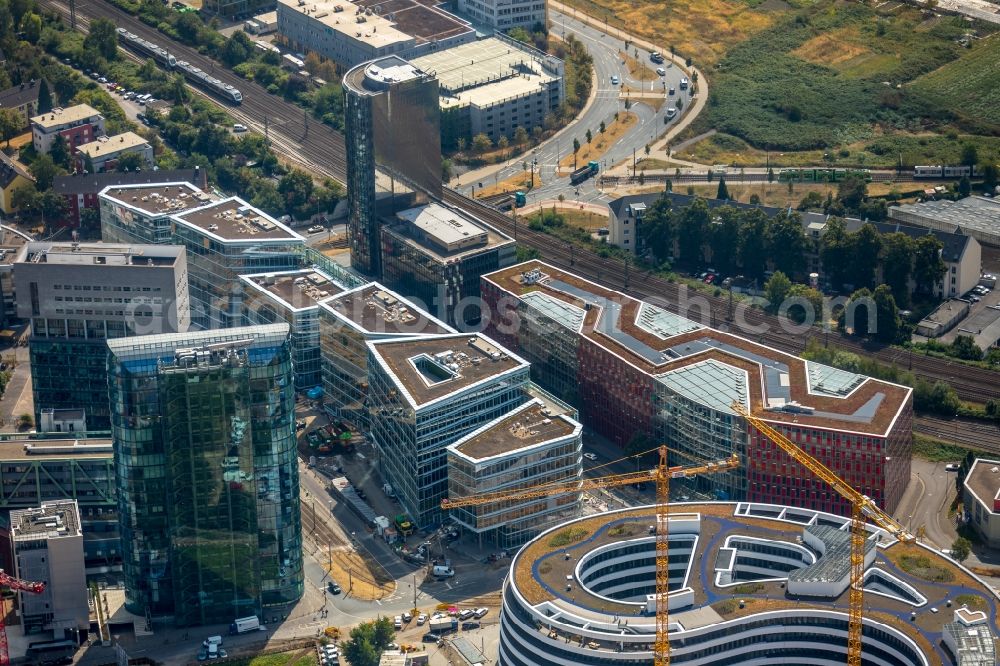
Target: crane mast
(21,586)
(661,474)
(862,509)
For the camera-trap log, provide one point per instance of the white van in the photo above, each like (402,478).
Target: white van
(212,640)
(213,651)
(443,572)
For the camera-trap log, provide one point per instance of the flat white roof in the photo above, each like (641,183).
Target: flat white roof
(109,145)
(448,227)
(57,117)
(342,16)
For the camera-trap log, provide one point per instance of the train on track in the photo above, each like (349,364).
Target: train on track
(822,175)
(940,171)
(195,75)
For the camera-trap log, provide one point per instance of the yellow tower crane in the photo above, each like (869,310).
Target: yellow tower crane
(661,474)
(862,507)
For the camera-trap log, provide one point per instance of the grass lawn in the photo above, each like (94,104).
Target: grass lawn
(581,219)
(600,143)
(806,78)
(638,69)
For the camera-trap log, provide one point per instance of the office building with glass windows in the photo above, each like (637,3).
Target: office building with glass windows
(632,367)
(223,238)
(141,212)
(208,491)
(392,129)
(292,297)
(535,444)
(436,254)
(425,393)
(346,323)
(79,295)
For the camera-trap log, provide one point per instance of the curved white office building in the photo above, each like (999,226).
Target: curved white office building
(750,584)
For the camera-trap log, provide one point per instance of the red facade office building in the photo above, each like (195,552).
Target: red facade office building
(642,375)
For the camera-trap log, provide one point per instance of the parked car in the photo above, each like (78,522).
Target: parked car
(315,229)
(952,467)
(203,654)
(466,614)
(421,619)
(590,456)
(397,622)
(430,638)
(481,612)
(333,587)
(407,616)
(469,625)
(660,71)
(709,279)
(240,127)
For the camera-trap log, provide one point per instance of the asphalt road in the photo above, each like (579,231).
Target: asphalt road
(926,501)
(607,101)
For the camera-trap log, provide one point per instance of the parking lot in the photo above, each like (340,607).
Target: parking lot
(983,320)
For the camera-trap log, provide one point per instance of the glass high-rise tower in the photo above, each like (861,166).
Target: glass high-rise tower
(208,489)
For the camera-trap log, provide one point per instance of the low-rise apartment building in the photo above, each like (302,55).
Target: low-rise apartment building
(633,367)
(103,153)
(78,125)
(22,98)
(981,499)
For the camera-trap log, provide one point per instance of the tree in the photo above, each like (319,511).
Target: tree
(366,642)
(965,186)
(897,265)
(102,38)
(296,187)
(481,143)
(858,307)
(131,162)
(188,26)
(777,289)
(990,175)
(576,145)
(90,219)
(961,548)
(692,228)
(658,230)
(237,49)
(835,253)
(11,122)
(753,243)
(44,97)
(178,89)
(814,297)
(44,170)
(866,245)
(503,143)
(724,238)
(723,192)
(786,244)
(590,136)
(887,315)
(59,152)
(26,200)
(851,192)
(970,156)
(965,347)
(446,170)
(520,136)
(602,128)
(31,26)
(928,266)
(755,199)
(770,175)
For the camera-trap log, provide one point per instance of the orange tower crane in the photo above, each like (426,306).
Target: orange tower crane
(862,508)
(14,584)
(661,474)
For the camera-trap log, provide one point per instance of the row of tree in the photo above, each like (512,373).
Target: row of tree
(748,240)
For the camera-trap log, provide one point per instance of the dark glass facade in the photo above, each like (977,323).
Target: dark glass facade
(71,374)
(394,124)
(203,428)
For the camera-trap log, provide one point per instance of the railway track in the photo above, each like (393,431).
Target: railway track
(321,149)
(975,435)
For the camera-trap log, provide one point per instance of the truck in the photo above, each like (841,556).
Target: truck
(404,525)
(520,199)
(244,624)
(584,172)
(443,625)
